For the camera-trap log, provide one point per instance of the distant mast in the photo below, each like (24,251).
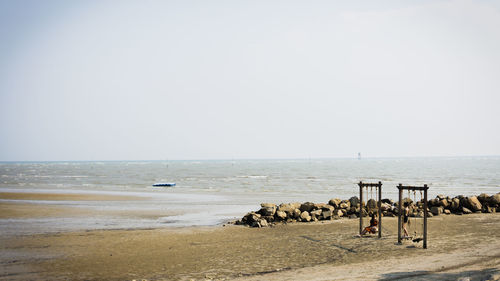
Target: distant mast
(359,155)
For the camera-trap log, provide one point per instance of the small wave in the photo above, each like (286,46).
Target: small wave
(253,177)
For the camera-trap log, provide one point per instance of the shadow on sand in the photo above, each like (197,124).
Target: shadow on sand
(472,275)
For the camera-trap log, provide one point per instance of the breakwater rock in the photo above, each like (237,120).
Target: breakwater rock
(270,214)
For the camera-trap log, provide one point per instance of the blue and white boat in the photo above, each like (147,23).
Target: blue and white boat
(164,184)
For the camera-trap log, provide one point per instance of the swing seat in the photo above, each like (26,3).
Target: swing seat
(370,230)
(416,240)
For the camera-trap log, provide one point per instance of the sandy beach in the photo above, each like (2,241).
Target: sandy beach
(249,140)
(459,246)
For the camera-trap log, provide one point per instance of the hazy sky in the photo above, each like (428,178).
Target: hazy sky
(117,80)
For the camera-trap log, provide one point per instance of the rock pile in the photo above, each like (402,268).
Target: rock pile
(271,214)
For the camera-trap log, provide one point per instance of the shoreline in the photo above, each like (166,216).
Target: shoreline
(54,212)
(62,196)
(167,211)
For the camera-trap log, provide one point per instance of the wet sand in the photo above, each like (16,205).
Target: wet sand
(28,210)
(65,196)
(459,246)
(29,205)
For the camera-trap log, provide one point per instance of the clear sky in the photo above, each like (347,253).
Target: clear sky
(136,80)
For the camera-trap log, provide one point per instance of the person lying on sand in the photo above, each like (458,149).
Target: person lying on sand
(373,226)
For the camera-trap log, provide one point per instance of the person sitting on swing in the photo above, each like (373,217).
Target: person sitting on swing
(373,226)
(406,215)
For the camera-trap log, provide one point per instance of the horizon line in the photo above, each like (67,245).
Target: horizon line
(247,159)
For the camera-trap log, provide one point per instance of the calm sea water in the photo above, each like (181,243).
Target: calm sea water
(209,192)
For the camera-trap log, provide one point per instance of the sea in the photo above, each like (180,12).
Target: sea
(213,192)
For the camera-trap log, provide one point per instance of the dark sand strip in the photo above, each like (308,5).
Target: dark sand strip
(66,197)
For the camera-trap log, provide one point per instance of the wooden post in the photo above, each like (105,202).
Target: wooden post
(360,207)
(425,216)
(379,209)
(400,187)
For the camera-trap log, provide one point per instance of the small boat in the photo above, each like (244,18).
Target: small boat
(164,184)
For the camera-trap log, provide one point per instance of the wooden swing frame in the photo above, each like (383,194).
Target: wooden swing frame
(378,186)
(400,209)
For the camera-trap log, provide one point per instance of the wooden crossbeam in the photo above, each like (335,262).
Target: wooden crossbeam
(410,187)
(369,184)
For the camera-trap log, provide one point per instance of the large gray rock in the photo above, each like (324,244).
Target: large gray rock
(307,207)
(268,218)
(420,205)
(326,214)
(443,203)
(495,199)
(327,207)
(267,209)
(335,202)
(250,218)
(371,204)
(385,207)
(339,213)
(280,215)
(304,216)
(455,204)
(364,213)
(406,199)
(473,203)
(344,205)
(483,198)
(354,201)
(436,210)
(433,202)
(296,214)
(466,211)
(322,206)
(289,207)
(348,203)
(316,213)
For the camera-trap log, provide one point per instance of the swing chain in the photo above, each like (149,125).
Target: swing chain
(414,216)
